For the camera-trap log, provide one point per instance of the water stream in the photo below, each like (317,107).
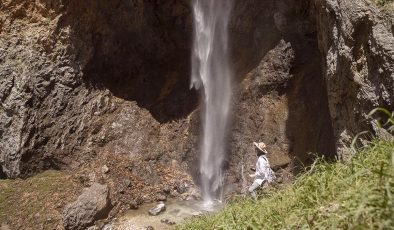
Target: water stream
(176,211)
(211,73)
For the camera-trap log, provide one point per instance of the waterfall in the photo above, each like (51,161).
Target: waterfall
(211,73)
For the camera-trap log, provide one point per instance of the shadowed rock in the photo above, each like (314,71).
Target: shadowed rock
(93,204)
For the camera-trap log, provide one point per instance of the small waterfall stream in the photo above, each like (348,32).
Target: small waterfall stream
(211,73)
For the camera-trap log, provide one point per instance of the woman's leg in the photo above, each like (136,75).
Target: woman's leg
(252,189)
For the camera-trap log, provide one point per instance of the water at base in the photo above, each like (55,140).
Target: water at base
(176,211)
(211,73)
(210,205)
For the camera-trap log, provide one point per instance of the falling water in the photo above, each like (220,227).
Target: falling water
(211,73)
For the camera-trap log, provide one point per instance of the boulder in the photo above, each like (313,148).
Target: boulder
(160,207)
(93,204)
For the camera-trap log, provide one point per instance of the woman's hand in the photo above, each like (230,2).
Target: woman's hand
(252,175)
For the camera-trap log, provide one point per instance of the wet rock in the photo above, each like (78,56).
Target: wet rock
(196,214)
(161,197)
(164,220)
(184,196)
(167,221)
(105,169)
(171,223)
(194,193)
(160,207)
(93,204)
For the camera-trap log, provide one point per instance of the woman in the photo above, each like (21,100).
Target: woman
(263,172)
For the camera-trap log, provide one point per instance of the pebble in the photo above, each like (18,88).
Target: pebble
(127,183)
(161,197)
(167,221)
(105,169)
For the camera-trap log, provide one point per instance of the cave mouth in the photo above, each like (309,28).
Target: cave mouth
(141,52)
(2,174)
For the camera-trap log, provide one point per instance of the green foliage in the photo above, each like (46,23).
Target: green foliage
(389,124)
(354,195)
(383,2)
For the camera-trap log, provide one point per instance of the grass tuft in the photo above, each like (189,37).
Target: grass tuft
(358,194)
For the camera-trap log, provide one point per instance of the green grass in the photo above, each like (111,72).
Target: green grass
(31,203)
(383,2)
(387,6)
(358,194)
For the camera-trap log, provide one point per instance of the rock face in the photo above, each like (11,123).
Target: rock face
(82,78)
(93,204)
(70,88)
(357,49)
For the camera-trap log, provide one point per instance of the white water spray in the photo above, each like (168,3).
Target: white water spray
(211,72)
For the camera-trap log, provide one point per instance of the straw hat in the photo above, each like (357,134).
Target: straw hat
(260,146)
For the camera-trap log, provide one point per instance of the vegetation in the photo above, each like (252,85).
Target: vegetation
(387,6)
(389,123)
(358,194)
(383,2)
(37,202)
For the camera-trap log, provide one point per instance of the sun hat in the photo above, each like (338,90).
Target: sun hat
(260,146)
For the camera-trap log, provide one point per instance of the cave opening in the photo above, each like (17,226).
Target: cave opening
(145,60)
(2,174)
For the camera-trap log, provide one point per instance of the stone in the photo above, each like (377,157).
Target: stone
(167,221)
(105,169)
(161,197)
(133,205)
(127,183)
(171,222)
(164,220)
(167,190)
(93,204)
(159,208)
(92,177)
(150,228)
(181,187)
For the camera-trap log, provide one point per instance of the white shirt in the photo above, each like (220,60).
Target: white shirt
(263,170)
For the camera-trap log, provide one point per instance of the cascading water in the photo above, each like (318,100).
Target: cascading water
(211,73)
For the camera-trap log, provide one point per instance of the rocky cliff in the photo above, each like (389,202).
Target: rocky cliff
(85,83)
